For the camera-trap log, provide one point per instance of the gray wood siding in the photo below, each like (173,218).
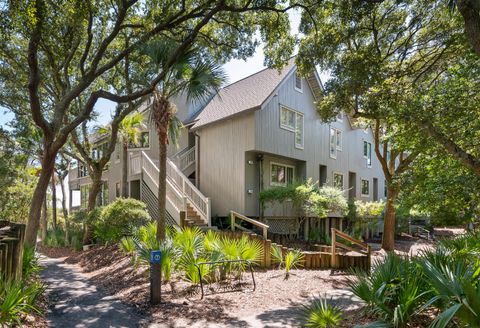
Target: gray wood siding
(222,162)
(270,138)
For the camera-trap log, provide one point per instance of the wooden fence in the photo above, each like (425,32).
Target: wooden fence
(320,258)
(12,237)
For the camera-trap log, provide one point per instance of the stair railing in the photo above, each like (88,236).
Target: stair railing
(185,158)
(200,203)
(233,223)
(364,247)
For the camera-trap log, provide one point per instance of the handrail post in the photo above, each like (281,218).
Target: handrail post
(232,220)
(334,252)
(265,233)
(208,210)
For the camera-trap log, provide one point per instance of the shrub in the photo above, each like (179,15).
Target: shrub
(17,299)
(393,292)
(30,263)
(321,314)
(291,260)
(118,218)
(58,237)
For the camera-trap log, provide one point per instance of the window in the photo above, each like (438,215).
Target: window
(103,195)
(281,175)
(298,83)
(365,187)
(338,180)
(335,142)
(292,121)
(143,141)
(287,118)
(367,152)
(339,140)
(84,191)
(299,131)
(82,170)
(117,189)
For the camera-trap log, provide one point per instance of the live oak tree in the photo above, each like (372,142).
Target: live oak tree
(53,53)
(379,54)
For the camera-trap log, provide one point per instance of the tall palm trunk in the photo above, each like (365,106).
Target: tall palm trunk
(388,241)
(125,170)
(54,203)
(162,115)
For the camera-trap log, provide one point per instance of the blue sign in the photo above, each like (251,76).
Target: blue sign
(155,257)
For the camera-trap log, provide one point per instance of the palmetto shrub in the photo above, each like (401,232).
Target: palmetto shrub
(17,298)
(30,265)
(291,260)
(393,292)
(320,313)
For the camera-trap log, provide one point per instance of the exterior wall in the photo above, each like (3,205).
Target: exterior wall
(270,138)
(222,162)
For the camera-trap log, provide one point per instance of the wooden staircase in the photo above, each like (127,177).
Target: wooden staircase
(193,218)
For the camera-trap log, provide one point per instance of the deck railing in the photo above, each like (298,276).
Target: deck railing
(233,223)
(185,159)
(136,163)
(364,247)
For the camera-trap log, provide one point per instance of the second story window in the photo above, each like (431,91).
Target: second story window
(82,170)
(338,180)
(298,83)
(367,152)
(335,142)
(281,175)
(143,141)
(292,121)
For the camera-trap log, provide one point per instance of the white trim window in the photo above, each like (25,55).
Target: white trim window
(293,121)
(281,174)
(298,83)
(338,180)
(336,141)
(367,152)
(365,187)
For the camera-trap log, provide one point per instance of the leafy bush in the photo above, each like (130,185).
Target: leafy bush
(118,218)
(393,292)
(291,260)
(321,314)
(58,237)
(309,198)
(17,299)
(30,263)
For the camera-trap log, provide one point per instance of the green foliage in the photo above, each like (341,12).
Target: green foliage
(308,197)
(17,298)
(393,292)
(30,265)
(17,194)
(118,218)
(291,260)
(57,237)
(321,314)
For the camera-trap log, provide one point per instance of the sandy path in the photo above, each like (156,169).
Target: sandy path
(77,302)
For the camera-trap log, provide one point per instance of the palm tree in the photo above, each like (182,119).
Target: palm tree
(194,74)
(129,132)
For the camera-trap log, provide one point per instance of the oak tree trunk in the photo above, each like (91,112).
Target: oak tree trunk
(43,224)
(125,172)
(64,206)
(388,242)
(95,188)
(39,194)
(54,203)
(162,186)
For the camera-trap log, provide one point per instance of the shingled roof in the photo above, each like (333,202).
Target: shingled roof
(244,95)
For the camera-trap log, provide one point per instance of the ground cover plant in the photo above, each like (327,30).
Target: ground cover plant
(292,259)
(403,290)
(184,249)
(320,313)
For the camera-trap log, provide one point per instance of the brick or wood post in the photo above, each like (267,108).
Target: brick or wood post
(306,226)
(341,224)
(268,253)
(3,258)
(18,249)
(232,221)
(333,250)
(155,283)
(369,258)
(183,216)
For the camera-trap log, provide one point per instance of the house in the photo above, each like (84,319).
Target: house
(258,132)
